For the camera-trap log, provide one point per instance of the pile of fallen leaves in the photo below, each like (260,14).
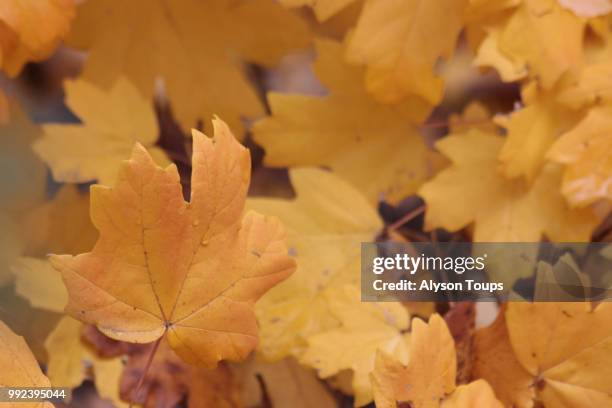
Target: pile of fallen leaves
(186,186)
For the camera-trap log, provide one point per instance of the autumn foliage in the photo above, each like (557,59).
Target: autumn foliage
(186,185)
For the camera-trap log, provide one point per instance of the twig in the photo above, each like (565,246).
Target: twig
(407,218)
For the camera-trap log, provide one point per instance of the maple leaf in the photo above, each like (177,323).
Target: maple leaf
(326,223)
(37,281)
(287,384)
(489,54)
(554,353)
(192,46)
(592,86)
(348,131)
(528,43)
(365,329)
(111,122)
(501,210)
(532,130)
(585,150)
(70,360)
(19,367)
(189,271)
(61,225)
(22,36)
(429,378)
(171,380)
(400,42)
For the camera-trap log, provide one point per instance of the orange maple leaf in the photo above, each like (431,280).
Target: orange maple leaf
(189,271)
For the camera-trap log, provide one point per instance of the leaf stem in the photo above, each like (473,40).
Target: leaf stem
(146,370)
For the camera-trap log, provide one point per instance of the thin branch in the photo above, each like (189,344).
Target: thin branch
(407,218)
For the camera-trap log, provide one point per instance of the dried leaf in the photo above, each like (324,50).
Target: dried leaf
(22,36)
(531,131)
(557,354)
(365,328)
(349,132)
(38,282)
(70,362)
(19,367)
(529,41)
(502,210)
(428,380)
(326,223)
(190,271)
(112,121)
(400,42)
(189,44)
(585,150)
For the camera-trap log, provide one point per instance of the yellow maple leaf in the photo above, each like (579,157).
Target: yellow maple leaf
(531,131)
(23,36)
(108,374)
(585,150)
(365,329)
(189,271)
(70,360)
(428,381)
(112,120)
(348,131)
(19,367)
(189,44)
(556,354)
(592,86)
(325,224)
(37,281)
(490,55)
(502,210)
(528,41)
(61,225)
(400,42)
